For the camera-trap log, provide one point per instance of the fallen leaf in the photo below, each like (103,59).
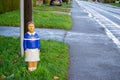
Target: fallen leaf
(55,78)
(0,59)
(3,77)
(17,56)
(14,61)
(14,38)
(60,56)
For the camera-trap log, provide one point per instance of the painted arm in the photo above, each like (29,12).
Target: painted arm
(38,41)
(25,45)
(25,42)
(39,44)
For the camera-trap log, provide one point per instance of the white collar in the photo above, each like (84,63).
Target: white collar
(31,33)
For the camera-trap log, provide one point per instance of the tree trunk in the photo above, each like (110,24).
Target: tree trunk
(27,13)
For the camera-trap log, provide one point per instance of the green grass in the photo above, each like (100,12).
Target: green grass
(54,61)
(10,18)
(44,17)
(115,4)
(52,20)
(64,8)
(41,19)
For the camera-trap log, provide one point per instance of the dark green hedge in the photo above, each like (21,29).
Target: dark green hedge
(108,1)
(9,5)
(34,2)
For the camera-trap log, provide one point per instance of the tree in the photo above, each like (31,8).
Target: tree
(27,13)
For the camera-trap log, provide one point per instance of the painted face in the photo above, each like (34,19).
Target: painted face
(31,28)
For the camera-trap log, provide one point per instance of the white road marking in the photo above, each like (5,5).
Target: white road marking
(118,17)
(98,17)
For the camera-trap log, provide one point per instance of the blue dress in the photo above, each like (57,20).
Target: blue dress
(31,46)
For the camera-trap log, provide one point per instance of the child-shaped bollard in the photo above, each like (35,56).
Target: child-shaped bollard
(31,47)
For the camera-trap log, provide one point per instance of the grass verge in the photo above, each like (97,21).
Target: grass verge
(64,8)
(52,20)
(44,17)
(54,61)
(115,4)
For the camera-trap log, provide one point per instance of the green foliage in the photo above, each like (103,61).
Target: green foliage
(115,4)
(108,1)
(34,2)
(46,1)
(63,8)
(54,61)
(9,5)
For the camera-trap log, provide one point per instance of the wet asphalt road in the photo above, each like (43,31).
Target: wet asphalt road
(106,15)
(93,55)
(112,13)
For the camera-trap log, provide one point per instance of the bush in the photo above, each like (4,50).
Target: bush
(108,1)
(34,2)
(46,1)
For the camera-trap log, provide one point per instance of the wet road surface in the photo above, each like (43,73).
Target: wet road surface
(93,54)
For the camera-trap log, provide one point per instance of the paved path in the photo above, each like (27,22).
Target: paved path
(93,55)
(46,34)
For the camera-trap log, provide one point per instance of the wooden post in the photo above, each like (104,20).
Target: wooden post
(27,13)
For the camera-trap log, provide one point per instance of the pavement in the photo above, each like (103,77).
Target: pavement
(45,34)
(93,54)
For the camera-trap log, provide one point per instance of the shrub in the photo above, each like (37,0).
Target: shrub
(9,5)
(46,1)
(34,2)
(108,1)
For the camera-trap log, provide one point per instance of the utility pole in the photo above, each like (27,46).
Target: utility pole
(26,16)
(27,13)
(21,27)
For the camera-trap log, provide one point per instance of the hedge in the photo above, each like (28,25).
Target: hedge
(9,5)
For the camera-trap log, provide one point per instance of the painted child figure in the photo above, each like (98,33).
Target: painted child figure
(31,47)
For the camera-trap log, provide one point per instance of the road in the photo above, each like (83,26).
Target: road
(94,45)
(110,12)
(106,15)
(94,48)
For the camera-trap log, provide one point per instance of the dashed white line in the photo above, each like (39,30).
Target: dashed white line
(98,17)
